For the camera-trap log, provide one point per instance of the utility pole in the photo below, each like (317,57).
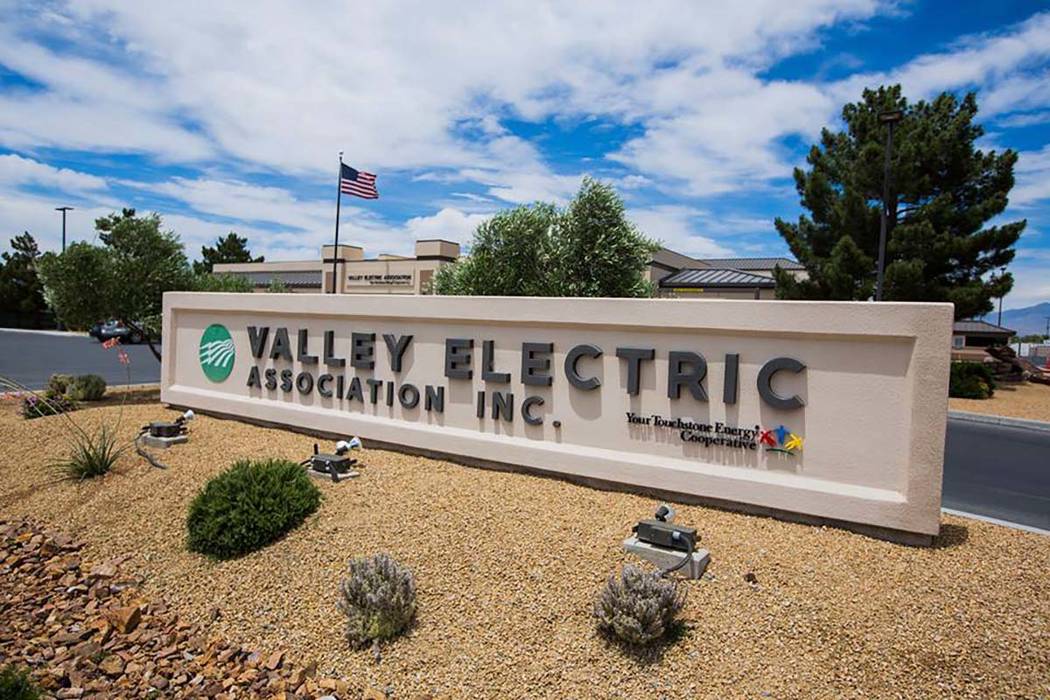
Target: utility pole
(63,210)
(888,118)
(1000,321)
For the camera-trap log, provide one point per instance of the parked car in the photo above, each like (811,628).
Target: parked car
(115,329)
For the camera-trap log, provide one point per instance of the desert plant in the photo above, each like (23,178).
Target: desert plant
(35,405)
(971,380)
(378,598)
(15,684)
(248,506)
(638,607)
(87,387)
(58,383)
(93,454)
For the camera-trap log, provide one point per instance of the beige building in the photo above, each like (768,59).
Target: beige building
(383,274)
(680,276)
(674,274)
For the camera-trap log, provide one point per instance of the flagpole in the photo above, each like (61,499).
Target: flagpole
(338,201)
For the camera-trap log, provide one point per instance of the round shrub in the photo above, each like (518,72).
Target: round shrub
(971,380)
(248,506)
(87,387)
(638,607)
(378,598)
(58,383)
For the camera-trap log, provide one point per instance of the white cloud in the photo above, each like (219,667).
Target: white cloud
(1032,174)
(1031,271)
(17,171)
(676,228)
(428,87)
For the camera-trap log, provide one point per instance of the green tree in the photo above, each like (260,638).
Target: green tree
(21,291)
(78,283)
(277,286)
(943,192)
(230,248)
(598,252)
(587,249)
(509,256)
(210,282)
(125,278)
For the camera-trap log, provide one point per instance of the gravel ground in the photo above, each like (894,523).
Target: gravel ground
(1031,401)
(508,564)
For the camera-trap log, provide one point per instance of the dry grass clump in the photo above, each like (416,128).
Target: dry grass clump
(378,598)
(639,607)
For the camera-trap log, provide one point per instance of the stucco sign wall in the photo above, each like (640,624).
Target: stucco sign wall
(831,409)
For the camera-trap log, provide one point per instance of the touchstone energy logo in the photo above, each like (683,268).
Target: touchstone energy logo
(781,440)
(216,352)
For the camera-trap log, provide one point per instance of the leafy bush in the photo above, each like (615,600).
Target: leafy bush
(378,598)
(638,607)
(93,454)
(971,380)
(15,684)
(87,387)
(35,406)
(58,383)
(249,506)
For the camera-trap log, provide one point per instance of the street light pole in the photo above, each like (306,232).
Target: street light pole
(889,119)
(63,210)
(1000,321)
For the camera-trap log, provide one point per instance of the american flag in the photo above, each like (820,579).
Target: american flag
(358,183)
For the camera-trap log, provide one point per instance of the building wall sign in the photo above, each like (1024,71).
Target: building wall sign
(389,279)
(834,410)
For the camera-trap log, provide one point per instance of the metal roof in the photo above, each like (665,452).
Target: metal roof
(290,279)
(714,277)
(971,325)
(753,263)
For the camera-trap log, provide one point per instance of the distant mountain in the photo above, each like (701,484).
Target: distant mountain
(1026,321)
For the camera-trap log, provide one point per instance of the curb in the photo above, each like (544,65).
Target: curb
(1004,421)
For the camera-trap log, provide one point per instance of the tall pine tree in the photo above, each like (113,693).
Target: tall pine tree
(21,291)
(230,248)
(943,191)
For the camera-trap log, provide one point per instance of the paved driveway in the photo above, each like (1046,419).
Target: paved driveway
(30,357)
(999,468)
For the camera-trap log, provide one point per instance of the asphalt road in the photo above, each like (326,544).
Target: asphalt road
(29,358)
(998,470)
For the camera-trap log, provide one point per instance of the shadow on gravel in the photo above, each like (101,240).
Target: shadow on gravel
(951,535)
(648,655)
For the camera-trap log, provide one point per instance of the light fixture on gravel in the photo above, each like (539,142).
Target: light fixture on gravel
(669,546)
(336,465)
(162,434)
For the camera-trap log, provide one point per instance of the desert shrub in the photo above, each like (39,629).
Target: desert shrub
(58,383)
(15,684)
(87,387)
(248,506)
(638,607)
(971,380)
(378,598)
(93,454)
(34,405)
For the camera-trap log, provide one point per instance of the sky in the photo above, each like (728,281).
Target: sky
(230,116)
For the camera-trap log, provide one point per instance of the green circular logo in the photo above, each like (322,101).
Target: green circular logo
(216,352)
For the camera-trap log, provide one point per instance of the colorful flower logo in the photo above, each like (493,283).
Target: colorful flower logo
(781,440)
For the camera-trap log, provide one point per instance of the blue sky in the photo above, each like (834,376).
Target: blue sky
(228,116)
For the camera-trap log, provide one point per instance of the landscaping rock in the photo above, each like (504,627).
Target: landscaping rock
(72,652)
